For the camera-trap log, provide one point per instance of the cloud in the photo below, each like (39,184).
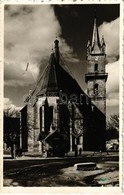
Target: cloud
(112,99)
(9,107)
(8,103)
(110,31)
(113,77)
(15,76)
(112,88)
(29,35)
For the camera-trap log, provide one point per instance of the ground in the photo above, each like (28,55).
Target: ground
(55,172)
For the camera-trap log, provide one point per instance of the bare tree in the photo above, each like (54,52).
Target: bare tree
(112,127)
(11,112)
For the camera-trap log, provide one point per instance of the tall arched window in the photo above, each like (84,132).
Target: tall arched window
(46,117)
(41,119)
(96,68)
(96,89)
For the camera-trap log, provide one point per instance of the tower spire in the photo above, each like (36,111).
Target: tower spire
(95,39)
(56,50)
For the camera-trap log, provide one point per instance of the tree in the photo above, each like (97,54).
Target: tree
(11,127)
(11,111)
(112,127)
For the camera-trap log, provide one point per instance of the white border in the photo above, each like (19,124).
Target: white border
(61,190)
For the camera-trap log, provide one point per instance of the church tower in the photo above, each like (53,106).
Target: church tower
(96,75)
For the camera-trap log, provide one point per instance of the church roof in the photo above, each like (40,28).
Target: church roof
(55,79)
(49,82)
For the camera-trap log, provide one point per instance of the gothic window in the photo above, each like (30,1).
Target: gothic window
(96,89)
(46,117)
(96,68)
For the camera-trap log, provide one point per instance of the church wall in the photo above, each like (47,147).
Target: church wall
(101,87)
(76,130)
(93,126)
(99,128)
(87,131)
(24,129)
(30,125)
(37,143)
(41,120)
(94,131)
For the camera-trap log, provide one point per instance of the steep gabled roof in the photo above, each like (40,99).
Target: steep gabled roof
(55,79)
(49,83)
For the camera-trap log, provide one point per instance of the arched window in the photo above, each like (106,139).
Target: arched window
(46,117)
(41,118)
(96,89)
(96,68)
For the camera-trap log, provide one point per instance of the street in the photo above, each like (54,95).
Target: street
(55,172)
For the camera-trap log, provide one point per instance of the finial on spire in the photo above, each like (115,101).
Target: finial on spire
(56,52)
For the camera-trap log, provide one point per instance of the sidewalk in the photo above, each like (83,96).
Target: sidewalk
(34,156)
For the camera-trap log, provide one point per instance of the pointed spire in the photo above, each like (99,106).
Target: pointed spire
(95,39)
(56,51)
(103,41)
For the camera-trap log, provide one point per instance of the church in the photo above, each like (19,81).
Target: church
(59,118)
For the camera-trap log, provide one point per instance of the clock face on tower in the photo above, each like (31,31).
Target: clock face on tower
(78,126)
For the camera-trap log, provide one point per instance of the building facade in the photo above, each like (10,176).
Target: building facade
(59,118)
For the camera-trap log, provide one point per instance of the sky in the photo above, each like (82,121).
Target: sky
(29,34)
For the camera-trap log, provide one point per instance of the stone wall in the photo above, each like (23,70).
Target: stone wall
(92,60)
(30,126)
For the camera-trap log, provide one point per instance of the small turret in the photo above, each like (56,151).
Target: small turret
(103,45)
(88,47)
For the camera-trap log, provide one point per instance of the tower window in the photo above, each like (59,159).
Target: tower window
(96,89)
(96,68)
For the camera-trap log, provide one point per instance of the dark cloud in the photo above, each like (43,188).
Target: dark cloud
(30,32)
